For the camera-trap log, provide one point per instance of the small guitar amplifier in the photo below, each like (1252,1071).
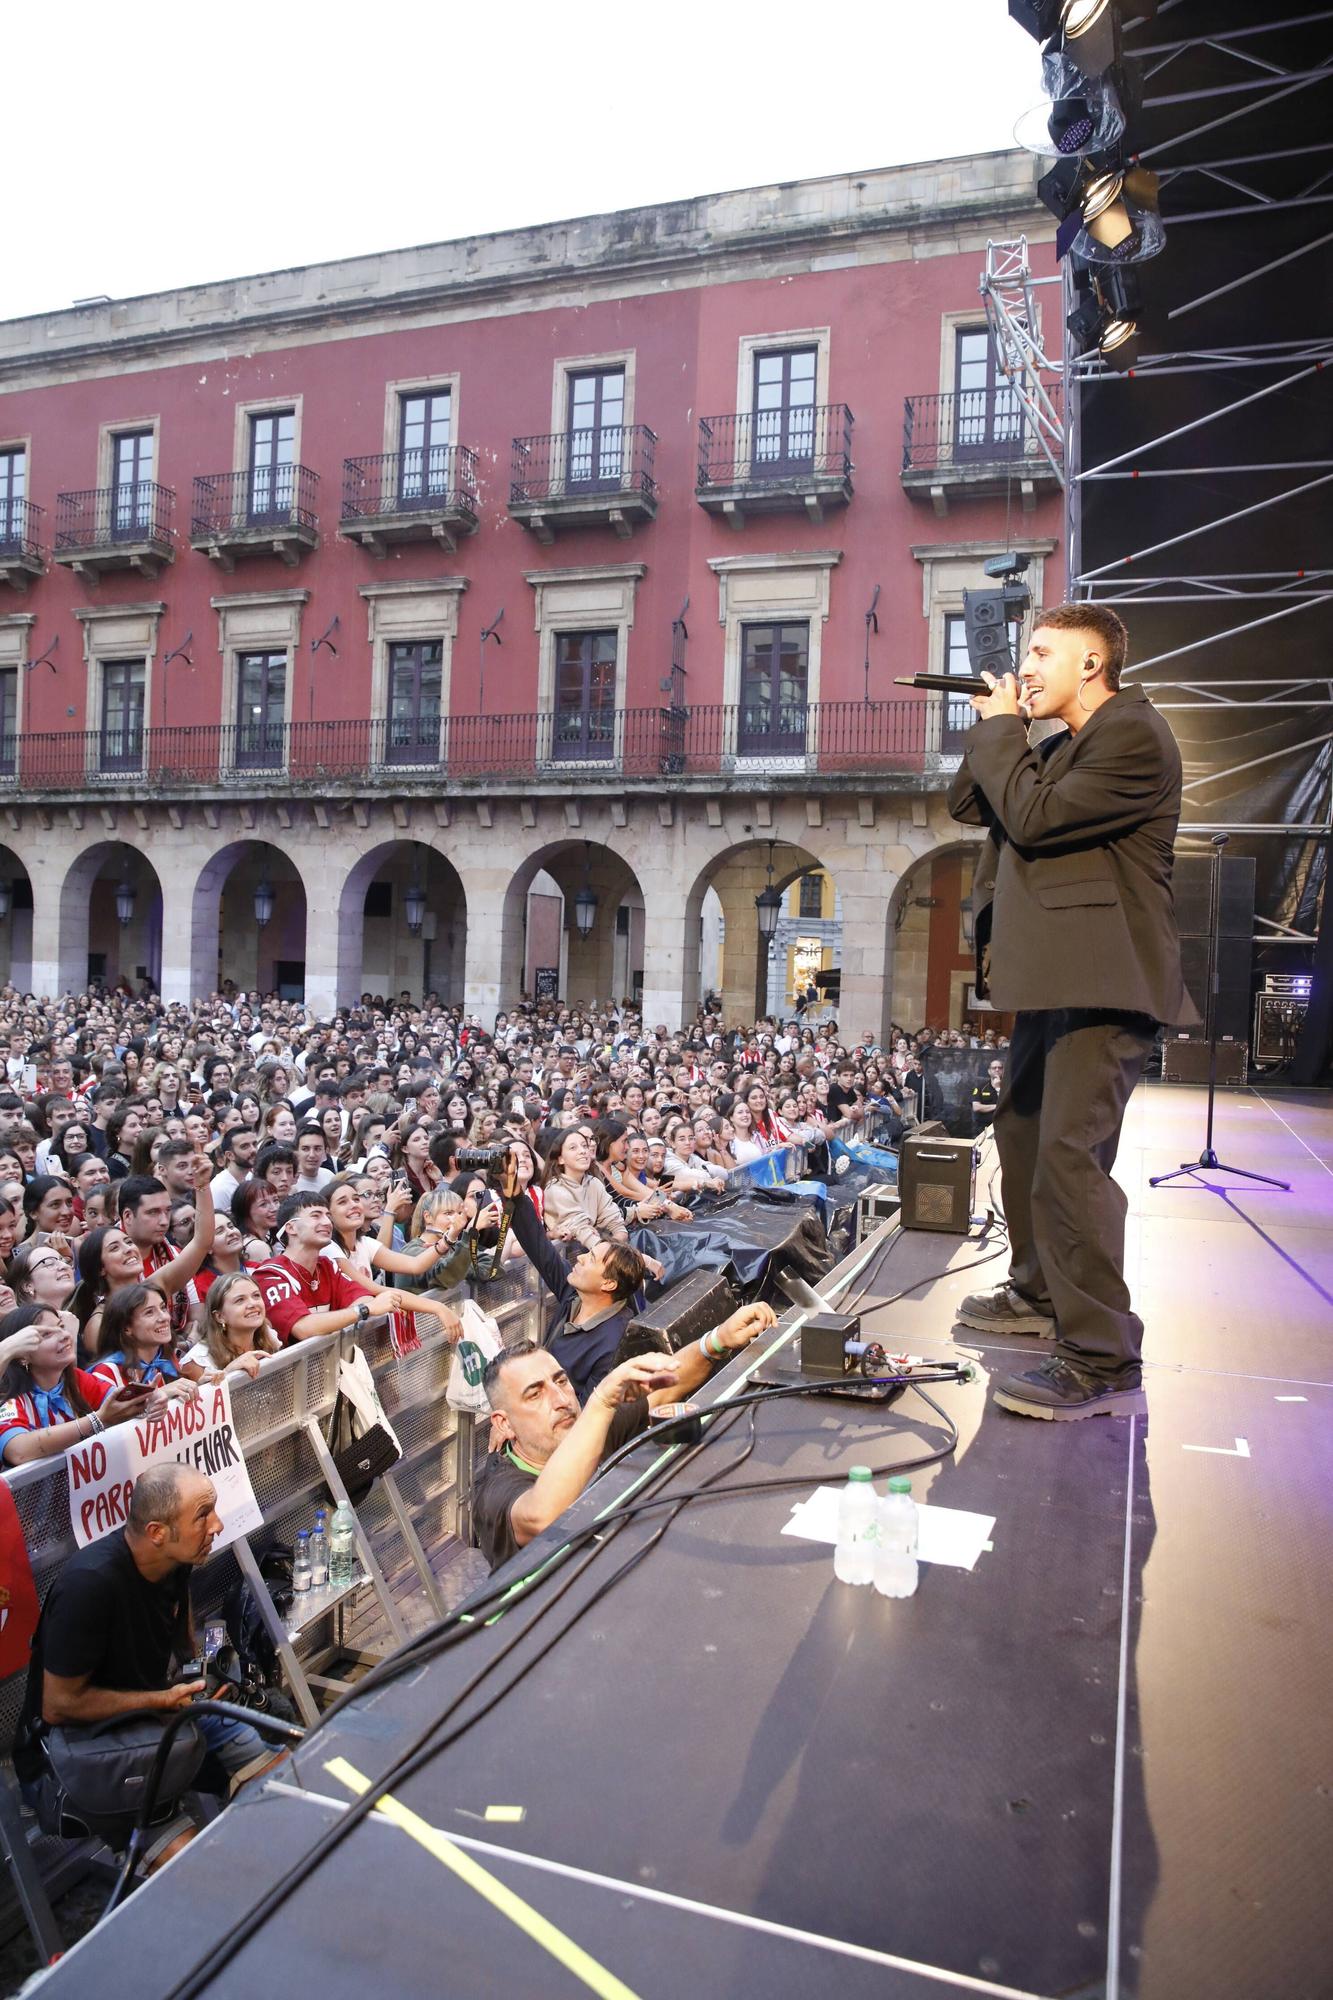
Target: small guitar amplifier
(937,1181)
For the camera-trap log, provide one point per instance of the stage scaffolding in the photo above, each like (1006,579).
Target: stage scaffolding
(1199,482)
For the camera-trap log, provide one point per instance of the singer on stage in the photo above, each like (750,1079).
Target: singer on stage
(1076,935)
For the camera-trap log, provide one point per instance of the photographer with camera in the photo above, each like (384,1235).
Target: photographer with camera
(114,1632)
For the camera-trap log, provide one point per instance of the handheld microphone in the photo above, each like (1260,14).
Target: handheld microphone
(961,684)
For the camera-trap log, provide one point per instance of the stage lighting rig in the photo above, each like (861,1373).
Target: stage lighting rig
(1107,211)
(1108,316)
(1085,32)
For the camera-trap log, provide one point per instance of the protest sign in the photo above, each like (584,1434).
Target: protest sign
(197,1431)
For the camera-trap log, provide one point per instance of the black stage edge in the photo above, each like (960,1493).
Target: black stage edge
(1099,1764)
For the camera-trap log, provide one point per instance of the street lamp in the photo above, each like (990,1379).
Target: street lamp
(125,901)
(768,903)
(265,901)
(6,899)
(414,908)
(585,903)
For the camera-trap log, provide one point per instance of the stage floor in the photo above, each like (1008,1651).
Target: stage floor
(1098,1764)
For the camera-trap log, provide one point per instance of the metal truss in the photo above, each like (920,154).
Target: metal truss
(1257,183)
(1013,315)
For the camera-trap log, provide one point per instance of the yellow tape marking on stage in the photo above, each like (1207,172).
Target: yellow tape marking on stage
(563,1949)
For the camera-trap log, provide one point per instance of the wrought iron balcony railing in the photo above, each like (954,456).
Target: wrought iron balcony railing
(973,434)
(766,449)
(19,530)
(260,500)
(103,518)
(583,465)
(434,479)
(648,744)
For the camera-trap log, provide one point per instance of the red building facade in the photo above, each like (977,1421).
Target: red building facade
(546,553)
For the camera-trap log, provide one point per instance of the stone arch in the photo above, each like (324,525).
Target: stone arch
(927,966)
(736,874)
(588,967)
(227,940)
(92,938)
(378,951)
(16,897)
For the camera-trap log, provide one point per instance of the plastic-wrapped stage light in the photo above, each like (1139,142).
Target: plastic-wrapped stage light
(1120,222)
(1075,120)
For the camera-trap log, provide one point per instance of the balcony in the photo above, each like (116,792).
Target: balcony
(423,495)
(976,445)
(775,461)
(584,479)
(693,747)
(21,557)
(265,510)
(115,527)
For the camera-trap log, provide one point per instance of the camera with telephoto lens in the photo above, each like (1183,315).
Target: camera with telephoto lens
(496,1165)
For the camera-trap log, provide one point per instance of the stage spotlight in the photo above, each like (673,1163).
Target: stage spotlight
(1107,214)
(1075,120)
(1108,317)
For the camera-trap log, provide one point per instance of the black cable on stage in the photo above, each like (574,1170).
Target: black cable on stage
(426,1747)
(421,1751)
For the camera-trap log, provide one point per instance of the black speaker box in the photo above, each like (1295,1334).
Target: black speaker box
(1233,984)
(691,1308)
(937,1183)
(1187,1062)
(1191,880)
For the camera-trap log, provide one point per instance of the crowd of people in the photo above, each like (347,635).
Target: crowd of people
(185,1191)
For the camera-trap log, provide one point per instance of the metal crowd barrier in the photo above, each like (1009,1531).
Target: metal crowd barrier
(271,1415)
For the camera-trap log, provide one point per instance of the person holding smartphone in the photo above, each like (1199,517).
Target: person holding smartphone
(47,1403)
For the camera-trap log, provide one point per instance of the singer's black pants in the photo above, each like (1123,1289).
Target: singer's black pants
(1070,1075)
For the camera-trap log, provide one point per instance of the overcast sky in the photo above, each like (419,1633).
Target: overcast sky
(153,150)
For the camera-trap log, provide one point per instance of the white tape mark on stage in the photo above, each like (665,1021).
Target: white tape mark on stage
(1241,1449)
(962,1982)
(1291,1399)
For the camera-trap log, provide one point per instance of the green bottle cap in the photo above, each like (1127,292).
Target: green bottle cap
(859,1472)
(900,1485)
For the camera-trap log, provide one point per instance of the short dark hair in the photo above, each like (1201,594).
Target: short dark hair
(1101,621)
(306,1198)
(134,1189)
(176,1149)
(274,1150)
(495,1367)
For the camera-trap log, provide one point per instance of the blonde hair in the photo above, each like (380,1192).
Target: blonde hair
(440,1201)
(214,1333)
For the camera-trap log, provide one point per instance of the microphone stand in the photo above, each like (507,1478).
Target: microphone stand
(1208,1158)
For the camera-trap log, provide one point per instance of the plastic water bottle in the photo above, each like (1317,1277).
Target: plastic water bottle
(854,1555)
(342,1546)
(895,1552)
(319,1552)
(301,1563)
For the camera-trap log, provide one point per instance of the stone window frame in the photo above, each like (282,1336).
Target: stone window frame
(264,406)
(419,385)
(588,364)
(412,611)
(752,344)
(117,632)
(738,607)
(242,628)
(562,606)
(108,432)
(23,444)
(15,633)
